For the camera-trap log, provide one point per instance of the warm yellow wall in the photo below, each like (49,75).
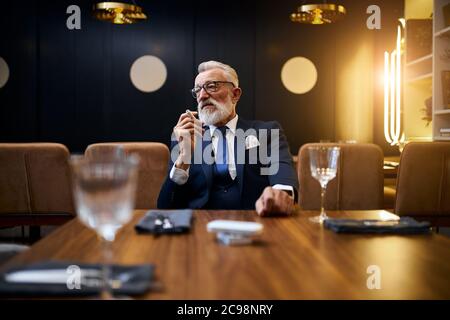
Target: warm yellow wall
(355,85)
(355,90)
(415,93)
(418,9)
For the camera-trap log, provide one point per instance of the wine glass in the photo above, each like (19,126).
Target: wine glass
(323,163)
(104,192)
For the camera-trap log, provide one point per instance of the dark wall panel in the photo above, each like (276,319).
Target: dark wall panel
(86,93)
(92,69)
(56,100)
(74,87)
(168,34)
(18,112)
(304,117)
(227,34)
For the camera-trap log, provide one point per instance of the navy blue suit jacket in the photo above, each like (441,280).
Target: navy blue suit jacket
(195,192)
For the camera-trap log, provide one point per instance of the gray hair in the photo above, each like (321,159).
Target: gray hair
(229,71)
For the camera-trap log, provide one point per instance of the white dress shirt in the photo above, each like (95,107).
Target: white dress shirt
(180,176)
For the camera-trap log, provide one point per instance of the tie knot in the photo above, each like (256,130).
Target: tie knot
(223,130)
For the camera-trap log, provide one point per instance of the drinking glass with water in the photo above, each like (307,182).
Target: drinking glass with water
(104,192)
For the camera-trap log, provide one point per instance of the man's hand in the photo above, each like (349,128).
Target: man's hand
(187,130)
(274,201)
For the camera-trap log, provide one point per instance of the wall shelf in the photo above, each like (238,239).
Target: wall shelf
(443,33)
(421,79)
(439,138)
(441,43)
(417,69)
(445,111)
(425,59)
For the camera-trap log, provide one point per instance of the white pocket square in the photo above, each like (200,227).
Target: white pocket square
(251,142)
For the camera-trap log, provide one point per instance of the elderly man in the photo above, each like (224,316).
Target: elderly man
(231,180)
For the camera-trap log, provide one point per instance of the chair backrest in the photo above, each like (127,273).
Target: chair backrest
(423,181)
(35,177)
(358,184)
(154,158)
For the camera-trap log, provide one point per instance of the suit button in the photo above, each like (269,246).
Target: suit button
(225,190)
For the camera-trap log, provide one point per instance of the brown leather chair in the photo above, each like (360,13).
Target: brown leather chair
(35,185)
(358,184)
(423,182)
(154,158)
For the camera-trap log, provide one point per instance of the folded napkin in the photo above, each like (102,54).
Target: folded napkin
(406,225)
(51,278)
(159,222)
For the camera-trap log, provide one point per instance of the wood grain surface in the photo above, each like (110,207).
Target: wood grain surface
(292,259)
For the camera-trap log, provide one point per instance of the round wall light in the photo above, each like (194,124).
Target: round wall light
(148,73)
(4,72)
(299,75)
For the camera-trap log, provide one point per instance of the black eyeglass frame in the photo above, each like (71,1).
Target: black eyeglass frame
(196,90)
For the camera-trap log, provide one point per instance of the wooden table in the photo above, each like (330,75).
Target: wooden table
(293,259)
(389,171)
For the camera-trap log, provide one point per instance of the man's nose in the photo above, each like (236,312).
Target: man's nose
(202,94)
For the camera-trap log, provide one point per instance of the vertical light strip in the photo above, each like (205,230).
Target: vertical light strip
(398,87)
(386,98)
(392,94)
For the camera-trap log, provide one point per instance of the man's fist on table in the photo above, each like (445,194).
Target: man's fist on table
(274,202)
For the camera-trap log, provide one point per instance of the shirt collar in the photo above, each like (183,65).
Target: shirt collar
(231,125)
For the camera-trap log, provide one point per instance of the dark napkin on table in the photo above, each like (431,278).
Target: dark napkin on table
(129,280)
(406,225)
(160,222)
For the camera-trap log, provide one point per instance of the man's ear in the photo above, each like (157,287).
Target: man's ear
(236,94)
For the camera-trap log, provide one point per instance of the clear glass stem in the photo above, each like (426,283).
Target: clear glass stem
(323,215)
(106,293)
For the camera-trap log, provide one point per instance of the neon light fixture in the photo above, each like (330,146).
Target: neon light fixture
(393,93)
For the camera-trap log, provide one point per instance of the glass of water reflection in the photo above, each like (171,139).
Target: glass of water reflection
(323,163)
(104,193)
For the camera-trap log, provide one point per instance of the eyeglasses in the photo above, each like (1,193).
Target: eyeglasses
(210,87)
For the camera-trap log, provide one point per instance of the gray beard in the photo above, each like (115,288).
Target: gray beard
(212,117)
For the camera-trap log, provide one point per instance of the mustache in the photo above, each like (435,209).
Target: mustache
(208,101)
